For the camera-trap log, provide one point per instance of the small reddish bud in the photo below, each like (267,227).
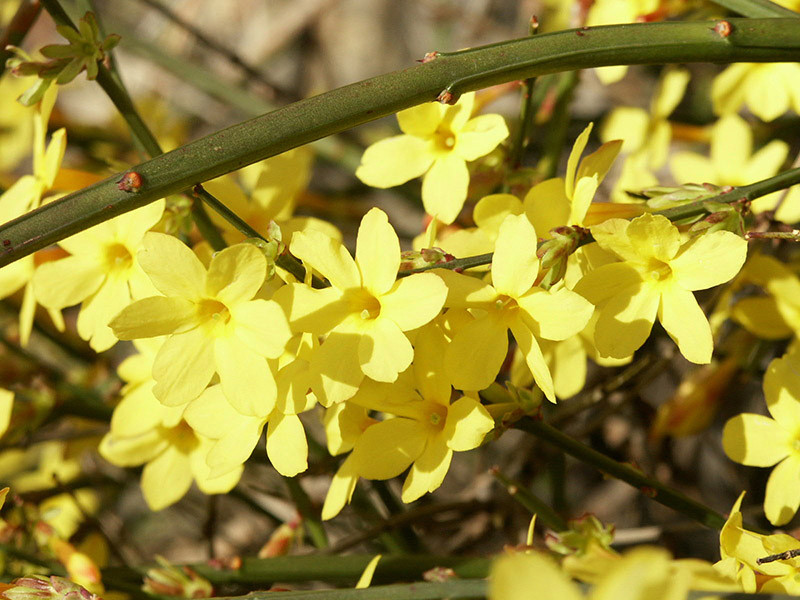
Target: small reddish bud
(446,97)
(648,491)
(429,56)
(439,574)
(723,29)
(130,182)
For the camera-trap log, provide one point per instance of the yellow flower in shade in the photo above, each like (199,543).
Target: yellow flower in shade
(213,322)
(235,435)
(25,195)
(365,311)
(172,458)
(732,161)
(655,278)
(557,202)
(425,430)
(101,272)
(612,12)
(776,315)
(16,126)
(769,89)
(437,142)
(479,347)
(644,573)
(740,551)
(760,441)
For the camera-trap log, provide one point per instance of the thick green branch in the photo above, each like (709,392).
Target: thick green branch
(751,40)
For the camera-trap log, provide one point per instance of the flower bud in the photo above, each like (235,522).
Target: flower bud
(170,580)
(427,257)
(40,587)
(662,198)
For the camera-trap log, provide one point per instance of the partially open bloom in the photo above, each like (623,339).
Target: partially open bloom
(759,441)
(437,143)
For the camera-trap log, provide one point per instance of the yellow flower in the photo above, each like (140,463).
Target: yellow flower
(612,12)
(425,431)
(759,441)
(479,347)
(655,277)
(776,315)
(213,324)
(235,435)
(101,272)
(172,458)
(438,142)
(740,551)
(556,202)
(365,311)
(732,161)
(768,89)
(644,573)
(16,126)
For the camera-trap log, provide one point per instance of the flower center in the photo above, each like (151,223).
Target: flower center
(505,303)
(213,311)
(445,138)
(118,257)
(658,270)
(437,416)
(366,305)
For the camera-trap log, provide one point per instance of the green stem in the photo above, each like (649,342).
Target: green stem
(745,192)
(526,113)
(454,588)
(311,518)
(751,40)
(530,501)
(656,490)
(557,126)
(757,9)
(207,229)
(340,569)
(18,28)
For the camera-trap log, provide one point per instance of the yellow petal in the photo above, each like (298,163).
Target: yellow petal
(388,448)
(428,471)
(383,350)
(686,324)
(490,211)
(6,405)
(533,358)
(67,282)
(755,440)
(335,376)
(421,120)
(761,317)
(151,317)
(261,326)
(166,479)
(444,188)
(625,321)
(628,124)
(467,424)
(574,157)
(654,235)
(710,259)
(183,367)
(394,160)
(514,576)
(782,391)
(464,291)
(782,496)
(766,161)
(728,90)
(515,264)
(669,92)
(480,136)
(415,300)
(172,266)
(287,447)
(98,310)
(598,163)
(311,310)
(369,571)
(377,252)
(558,314)
(731,145)
(132,451)
(690,167)
(236,274)
(476,353)
(246,378)
(547,205)
(328,256)
(431,380)
(342,487)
